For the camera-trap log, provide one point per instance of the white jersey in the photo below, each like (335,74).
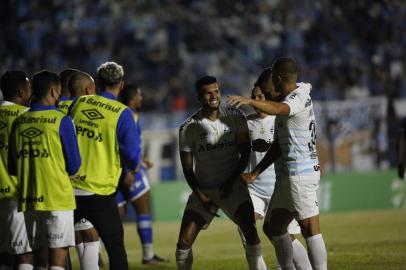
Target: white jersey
(261,130)
(296,134)
(213,144)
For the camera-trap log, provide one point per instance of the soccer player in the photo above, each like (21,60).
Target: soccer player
(139,192)
(214,151)
(43,153)
(64,76)
(401,148)
(86,237)
(106,132)
(16,89)
(297,167)
(261,130)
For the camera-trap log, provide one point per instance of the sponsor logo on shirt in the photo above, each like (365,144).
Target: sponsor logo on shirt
(93,114)
(31,133)
(5,190)
(2,125)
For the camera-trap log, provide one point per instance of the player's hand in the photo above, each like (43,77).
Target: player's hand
(208,204)
(237,101)
(249,178)
(401,171)
(128,179)
(146,163)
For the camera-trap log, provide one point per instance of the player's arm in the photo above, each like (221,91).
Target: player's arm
(70,146)
(267,106)
(12,151)
(401,154)
(270,157)
(244,148)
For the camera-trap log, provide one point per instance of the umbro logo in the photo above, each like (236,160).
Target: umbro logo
(93,114)
(31,133)
(2,125)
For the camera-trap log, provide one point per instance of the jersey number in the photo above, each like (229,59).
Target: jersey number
(312,143)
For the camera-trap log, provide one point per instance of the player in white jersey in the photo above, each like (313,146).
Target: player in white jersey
(261,131)
(297,167)
(214,151)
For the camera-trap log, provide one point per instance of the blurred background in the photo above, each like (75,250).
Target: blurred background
(353,52)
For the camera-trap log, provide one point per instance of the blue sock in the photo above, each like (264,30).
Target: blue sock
(144,228)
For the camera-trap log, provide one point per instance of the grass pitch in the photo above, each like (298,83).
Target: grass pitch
(373,240)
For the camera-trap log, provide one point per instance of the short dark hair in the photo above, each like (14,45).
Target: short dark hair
(205,80)
(64,76)
(129,90)
(11,81)
(75,81)
(264,77)
(284,66)
(42,81)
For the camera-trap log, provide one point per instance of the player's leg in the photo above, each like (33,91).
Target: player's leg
(87,244)
(13,235)
(315,242)
(107,222)
(195,218)
(60,236)
(238,207)
(306,203)
(141,201)
(300,256)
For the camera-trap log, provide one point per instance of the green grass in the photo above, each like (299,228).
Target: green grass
(373,240)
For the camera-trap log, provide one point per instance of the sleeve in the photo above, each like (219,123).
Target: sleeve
(70,147)
(296,102)
(185,138)
(129,140)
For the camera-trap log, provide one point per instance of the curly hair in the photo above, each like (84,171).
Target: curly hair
(110,73)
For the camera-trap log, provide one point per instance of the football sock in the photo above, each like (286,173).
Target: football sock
(90,258)
(254,257)
(79,249)
(317,252)
(184,259)
(284,251)
(144,229)
(300,257)
(244,242)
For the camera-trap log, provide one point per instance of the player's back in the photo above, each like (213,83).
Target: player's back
(296,134)
(213,144)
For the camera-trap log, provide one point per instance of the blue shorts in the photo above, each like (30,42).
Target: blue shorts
(138,188)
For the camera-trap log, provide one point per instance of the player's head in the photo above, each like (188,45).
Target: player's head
(110,75)
(64,76)
(131,96)
(208,92)
(257,94)
(284,71)
(16,87)
(264,82)
(46,85)
(80,83)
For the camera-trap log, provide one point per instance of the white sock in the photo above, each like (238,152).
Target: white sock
(317,252)
(254,257)
(56,268)
(79,249)
(5,267)
(184,259)
(300,257)
(147,251)
(244,242)
(25,266)
(284,251)
(90,258)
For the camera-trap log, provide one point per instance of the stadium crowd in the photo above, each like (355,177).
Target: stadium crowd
(348,49)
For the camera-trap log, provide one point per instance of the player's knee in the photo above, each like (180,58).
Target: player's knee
(184,243)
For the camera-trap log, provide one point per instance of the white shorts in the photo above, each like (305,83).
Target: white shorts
(13,234)
(260,203)
(53,229)
(83,224)
(298,197)
(229,205)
